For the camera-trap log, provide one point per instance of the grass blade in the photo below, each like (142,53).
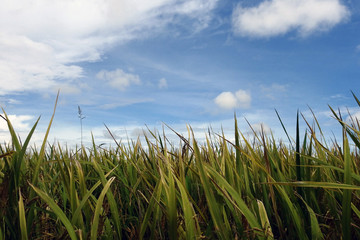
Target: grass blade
(57,210)
(42,150)
(346,202)
(22,218)
(98,209)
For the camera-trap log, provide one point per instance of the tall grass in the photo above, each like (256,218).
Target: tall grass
(248,189)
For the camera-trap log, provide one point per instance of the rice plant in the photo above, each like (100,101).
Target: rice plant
(216,189)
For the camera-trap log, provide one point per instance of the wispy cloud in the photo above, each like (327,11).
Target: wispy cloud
(229,100)
(337,96)
(125,102)
(118,78)
(277,17)
(354,117)
(162,83)
(259,128)
(42,42)
(29,65)
(273,90)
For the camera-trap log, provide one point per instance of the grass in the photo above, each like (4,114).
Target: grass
(248,189)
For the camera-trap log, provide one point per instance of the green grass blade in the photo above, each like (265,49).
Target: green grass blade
(297,153)
(316,233)
(22,218)
(265,223)
(110,196)
(14,138)
(213,206)
(171,206)
(21,154)
(325,185)
(240,204)
(98,209)
(239,164)
(346,202)
(57,210)
(356,99)
(85,198)
(42,150)
(152,207)
(283,126)
(189,213)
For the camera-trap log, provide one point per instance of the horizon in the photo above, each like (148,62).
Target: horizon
(138,64)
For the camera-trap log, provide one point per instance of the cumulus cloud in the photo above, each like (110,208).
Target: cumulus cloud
(226,100)
(118,78)
(162,83)
(229,100)
(42,42)
(275,17)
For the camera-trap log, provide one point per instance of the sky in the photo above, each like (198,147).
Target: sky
(137,64)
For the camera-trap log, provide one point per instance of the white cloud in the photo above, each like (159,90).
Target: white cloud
(162,83)
(337,96)
(274,90)
(118,78)
(139,132)
(226,100)
(125,102)
(260,128)
(13,101)
(42,41)
(355,117)
(276,17)
(243,98)
(229,100)
(29,65)
(19,122)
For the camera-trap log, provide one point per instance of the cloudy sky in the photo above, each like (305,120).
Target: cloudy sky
(137,63)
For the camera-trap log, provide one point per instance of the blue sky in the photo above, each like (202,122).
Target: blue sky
(132,64)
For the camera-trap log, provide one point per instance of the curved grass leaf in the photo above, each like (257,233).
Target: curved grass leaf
(22,218)
(57,210)
(325,185)
(346,201)
(240,204)
(98,209)
(191,225)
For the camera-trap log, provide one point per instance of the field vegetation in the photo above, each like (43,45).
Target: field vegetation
(252,188)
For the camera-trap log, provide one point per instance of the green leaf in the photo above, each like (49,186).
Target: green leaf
(22,218)
(98,209)
(346,202)
(57,210)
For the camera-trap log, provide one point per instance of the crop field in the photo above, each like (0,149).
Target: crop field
(251,188)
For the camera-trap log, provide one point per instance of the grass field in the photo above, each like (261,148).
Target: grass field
(252,188)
